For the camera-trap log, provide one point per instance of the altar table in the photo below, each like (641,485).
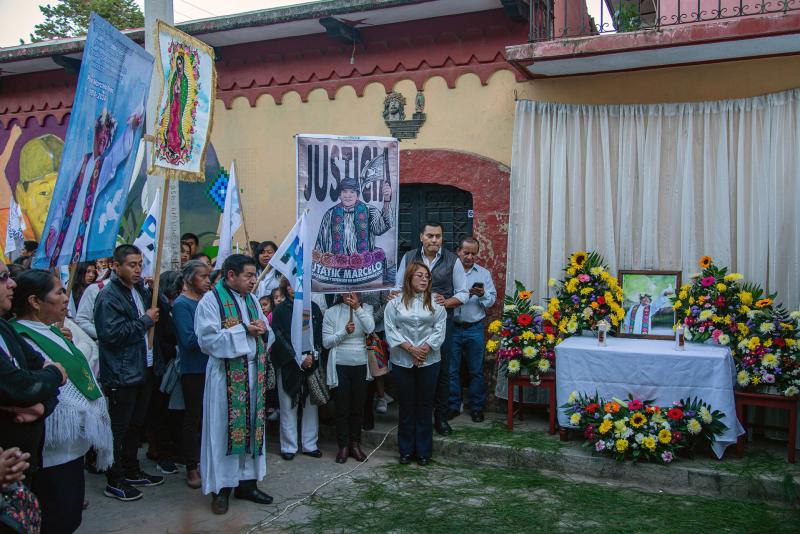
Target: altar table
(649,369)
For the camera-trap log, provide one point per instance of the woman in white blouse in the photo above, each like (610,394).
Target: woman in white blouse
(415,329)
(343,332)
(80,419)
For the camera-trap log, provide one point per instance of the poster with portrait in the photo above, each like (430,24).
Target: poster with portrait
(186,105)
(350,187)
(99,151)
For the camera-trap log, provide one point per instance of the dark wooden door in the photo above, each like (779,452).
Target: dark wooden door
(420,203)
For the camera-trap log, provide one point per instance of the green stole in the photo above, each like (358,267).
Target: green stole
(237,379)
(73,361)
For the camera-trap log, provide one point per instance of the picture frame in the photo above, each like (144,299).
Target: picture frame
(646,301)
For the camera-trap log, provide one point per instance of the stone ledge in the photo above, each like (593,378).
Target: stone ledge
(683,477)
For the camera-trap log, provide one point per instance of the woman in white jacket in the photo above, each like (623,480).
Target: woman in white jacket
(343,332)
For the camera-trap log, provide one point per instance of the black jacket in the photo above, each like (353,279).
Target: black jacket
(121,335)
(22,385)
(282,353)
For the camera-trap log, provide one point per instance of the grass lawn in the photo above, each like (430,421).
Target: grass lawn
(463,499)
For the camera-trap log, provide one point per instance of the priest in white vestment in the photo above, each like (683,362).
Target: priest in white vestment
(639,318)
(233,331)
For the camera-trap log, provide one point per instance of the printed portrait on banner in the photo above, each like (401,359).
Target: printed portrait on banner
(186,106)
(349,185)
(99,151)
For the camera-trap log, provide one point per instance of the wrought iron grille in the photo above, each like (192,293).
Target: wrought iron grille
(559,19)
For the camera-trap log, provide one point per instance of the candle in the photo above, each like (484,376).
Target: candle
(680,338)
(602,330)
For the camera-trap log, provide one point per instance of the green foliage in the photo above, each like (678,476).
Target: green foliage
(70,18)
(626,17)
(497,433)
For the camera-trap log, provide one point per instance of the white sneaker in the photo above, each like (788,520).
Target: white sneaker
(389,399)
(381,406)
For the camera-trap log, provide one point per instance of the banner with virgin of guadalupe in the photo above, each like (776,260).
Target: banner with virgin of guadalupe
(349,187)
(186,106)
(99,155)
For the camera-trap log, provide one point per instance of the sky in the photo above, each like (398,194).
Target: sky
(20,16)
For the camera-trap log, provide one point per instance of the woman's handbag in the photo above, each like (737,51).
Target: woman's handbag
(318,386)
(377,355)
(19,510)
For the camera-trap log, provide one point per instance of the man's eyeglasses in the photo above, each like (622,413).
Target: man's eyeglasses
(4,276)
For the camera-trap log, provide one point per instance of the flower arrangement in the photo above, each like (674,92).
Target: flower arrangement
(767,354)
(640,430)
(709,306)
(526,336)
(588,294)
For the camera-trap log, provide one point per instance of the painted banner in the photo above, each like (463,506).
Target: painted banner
(186,106)
(98,157)
(349,185)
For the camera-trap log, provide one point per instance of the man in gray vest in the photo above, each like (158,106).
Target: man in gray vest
(449,285)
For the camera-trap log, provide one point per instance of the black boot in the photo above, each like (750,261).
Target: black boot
(248,491)
(219,501)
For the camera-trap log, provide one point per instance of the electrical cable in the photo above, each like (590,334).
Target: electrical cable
(267,522)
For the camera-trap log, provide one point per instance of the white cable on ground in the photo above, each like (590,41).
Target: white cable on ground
(267,522)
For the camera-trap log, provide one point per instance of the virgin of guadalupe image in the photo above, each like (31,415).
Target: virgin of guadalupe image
(174,140)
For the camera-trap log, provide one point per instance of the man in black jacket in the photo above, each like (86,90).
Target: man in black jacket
(123,320)
(28,387)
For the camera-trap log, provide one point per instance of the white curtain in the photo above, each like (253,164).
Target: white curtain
(658,186)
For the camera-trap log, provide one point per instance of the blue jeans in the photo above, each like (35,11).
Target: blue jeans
(416,387)
(469,343)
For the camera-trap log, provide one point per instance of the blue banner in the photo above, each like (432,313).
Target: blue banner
(100,149)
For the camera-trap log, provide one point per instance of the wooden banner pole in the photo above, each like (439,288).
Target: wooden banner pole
(244,221)
(159,246)
(71,281)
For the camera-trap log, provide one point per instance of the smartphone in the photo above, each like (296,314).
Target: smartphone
(477,285)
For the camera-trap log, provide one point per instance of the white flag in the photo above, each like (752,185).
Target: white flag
(15,241)
(148,236)
(293,260)
(231,219)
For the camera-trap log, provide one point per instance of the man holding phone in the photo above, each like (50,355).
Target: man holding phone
(468,332)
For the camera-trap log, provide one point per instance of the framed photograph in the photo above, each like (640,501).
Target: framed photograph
(646,300)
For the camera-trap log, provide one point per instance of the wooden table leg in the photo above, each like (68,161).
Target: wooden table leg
(740,415)
(792,432)
(563,434)
(510,407)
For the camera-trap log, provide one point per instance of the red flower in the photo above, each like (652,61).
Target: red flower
(676,414)
(720,302)
(676,437)
(589,432)
(635,404)
(506,333)
(557,315)
(515,339)
(601,300)
(548,329)
(779,342)
(593,407)
(524,319)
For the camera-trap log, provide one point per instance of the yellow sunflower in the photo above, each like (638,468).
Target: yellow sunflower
(763,303)
(578,259)
(524,295)
(705,262)
(638,420)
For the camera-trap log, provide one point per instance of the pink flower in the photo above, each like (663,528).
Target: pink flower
(716,334)
(584,277)
(708,281)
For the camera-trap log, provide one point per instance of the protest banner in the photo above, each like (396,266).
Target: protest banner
(97,162)
(349,186)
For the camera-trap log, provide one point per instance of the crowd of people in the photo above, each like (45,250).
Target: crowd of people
(92,370)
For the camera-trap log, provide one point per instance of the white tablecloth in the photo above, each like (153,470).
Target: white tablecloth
(649,369)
